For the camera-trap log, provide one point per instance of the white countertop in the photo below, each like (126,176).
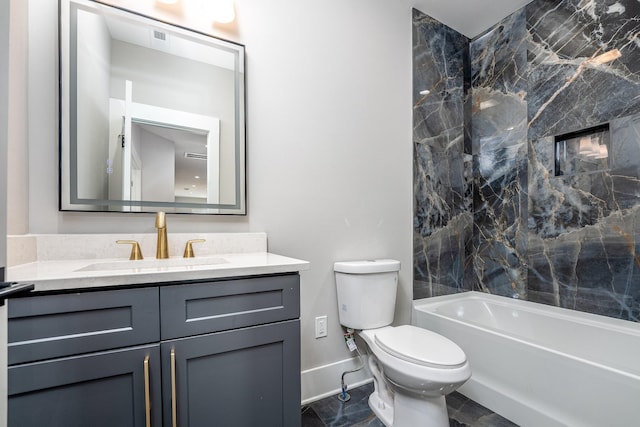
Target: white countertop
(90,273)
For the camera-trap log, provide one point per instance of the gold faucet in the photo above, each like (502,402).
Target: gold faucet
(136,253)
(188,248)
(162,249)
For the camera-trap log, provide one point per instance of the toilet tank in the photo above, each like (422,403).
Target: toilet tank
(366,292)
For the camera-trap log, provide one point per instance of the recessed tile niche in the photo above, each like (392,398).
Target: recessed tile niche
(584,151)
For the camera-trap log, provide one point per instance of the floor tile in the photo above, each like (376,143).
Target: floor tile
(355,412)
(331,412)
(310,418)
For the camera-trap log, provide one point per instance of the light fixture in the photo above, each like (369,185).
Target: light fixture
(488,104)
(586,147)
(223,11)
(167,1)
(590,147)
(602,153)
(425,92)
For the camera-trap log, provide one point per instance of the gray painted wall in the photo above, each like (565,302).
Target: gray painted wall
(320,130)
(4,129)
(4,136)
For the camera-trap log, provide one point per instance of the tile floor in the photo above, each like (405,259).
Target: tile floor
(331,412)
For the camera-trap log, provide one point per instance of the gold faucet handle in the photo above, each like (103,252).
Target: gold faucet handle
(136,253)
(161,220)
(188,249)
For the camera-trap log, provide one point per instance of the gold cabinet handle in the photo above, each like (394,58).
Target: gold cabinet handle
(174,414)
(136,253)
(188,248)
(147,393)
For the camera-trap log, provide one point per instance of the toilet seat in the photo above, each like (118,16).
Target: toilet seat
(420,346)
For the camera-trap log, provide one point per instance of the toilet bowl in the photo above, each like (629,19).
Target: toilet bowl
(413,368)
(420,367)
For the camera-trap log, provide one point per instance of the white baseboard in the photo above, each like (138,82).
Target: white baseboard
(324,381)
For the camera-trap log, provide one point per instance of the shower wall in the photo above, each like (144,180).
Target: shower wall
(499,136)
(571,240)
(443,219)
(583,229)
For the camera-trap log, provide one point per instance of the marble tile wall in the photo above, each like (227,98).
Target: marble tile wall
(583,229)
(442,161)
(569,241)
(499,147)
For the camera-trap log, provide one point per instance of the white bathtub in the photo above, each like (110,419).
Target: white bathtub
(538,365)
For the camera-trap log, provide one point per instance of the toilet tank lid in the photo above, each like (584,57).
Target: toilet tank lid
(367,266)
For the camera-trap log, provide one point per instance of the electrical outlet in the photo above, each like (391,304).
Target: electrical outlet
(321,326)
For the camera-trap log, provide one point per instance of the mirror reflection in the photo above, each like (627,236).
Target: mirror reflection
(152,116)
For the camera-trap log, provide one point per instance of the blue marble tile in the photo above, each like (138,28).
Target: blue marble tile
(442,166)
(499,140)
(489,213)
(568,87)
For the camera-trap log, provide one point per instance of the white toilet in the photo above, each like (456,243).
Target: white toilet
(413,368)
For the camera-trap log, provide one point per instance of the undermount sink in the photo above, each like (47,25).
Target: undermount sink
(153,264)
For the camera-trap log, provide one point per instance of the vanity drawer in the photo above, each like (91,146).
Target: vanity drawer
(50,326)
(217,306)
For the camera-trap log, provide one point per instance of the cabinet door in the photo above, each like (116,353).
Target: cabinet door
(241,378)
(95,390)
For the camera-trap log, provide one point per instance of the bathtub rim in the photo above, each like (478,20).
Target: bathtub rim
(624,326)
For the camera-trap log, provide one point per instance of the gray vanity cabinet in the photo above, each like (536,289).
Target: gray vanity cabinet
(78,359)
(244,374)
(98,390)
(46,327)
(205,353)
(247,377)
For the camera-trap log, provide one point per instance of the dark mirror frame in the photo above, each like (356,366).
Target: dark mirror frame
(69,199)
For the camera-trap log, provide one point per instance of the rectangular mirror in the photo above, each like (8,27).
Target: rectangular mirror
(152,116)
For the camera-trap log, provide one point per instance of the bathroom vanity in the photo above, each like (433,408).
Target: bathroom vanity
(221,346)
